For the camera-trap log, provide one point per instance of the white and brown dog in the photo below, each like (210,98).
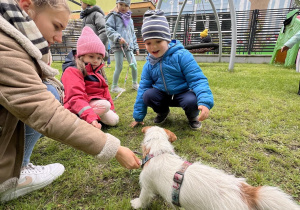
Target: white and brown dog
(203,187)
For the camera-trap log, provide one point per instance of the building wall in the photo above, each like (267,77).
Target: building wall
(105,5)
(172,7)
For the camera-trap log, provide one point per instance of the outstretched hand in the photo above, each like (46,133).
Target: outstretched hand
(204,112)
(135,123)
(127,158)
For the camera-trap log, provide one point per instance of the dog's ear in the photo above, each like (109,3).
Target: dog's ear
(144,129)
(172,136)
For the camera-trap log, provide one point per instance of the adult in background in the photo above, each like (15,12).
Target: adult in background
(27,29)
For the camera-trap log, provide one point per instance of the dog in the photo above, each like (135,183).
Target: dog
(203,187)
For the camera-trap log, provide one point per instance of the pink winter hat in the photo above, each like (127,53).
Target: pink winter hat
(89,42)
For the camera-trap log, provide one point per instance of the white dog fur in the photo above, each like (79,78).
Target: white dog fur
(203,187)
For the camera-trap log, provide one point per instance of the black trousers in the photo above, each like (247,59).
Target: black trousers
(160,102)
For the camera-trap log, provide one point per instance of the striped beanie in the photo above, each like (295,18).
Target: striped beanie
(155,26)
(127,2)
(89,42)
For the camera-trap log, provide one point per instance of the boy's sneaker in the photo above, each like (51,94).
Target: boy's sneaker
(117,89)
(195,124)
(161,117)
(33,178)
(135,86)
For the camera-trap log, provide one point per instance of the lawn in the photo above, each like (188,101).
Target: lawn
(252,132)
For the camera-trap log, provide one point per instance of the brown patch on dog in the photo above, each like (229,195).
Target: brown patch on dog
(144,129)
(249,194)
(171,135)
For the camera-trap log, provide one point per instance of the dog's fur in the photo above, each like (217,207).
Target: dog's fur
(203,187)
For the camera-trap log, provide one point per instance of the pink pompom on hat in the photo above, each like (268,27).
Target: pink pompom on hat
(89,42)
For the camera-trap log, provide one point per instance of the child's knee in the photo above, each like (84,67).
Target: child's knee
(100,106)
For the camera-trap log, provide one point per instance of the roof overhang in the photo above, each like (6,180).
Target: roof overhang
(139,8)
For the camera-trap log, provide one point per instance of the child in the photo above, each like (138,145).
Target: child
(122,39)
(171,77)
(204,37)
(86,92)
(94,17)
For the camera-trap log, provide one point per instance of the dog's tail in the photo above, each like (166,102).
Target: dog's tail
(267,198)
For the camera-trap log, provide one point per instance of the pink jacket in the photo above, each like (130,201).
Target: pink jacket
(80,90)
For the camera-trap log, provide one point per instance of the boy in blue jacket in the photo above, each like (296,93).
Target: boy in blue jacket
(171,77)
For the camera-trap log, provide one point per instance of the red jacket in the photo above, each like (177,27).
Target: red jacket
(80,90)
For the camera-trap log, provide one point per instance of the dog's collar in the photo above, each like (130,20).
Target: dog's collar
(146,159)
(150,156)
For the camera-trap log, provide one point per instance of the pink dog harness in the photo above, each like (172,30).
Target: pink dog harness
(178,179)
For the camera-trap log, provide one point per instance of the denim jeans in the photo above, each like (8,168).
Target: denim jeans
(119,66)
(31,135)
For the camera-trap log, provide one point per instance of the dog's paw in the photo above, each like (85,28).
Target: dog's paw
(136,203)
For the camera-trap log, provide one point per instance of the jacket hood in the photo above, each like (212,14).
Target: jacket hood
(111,13)
(89,10)
(173,47)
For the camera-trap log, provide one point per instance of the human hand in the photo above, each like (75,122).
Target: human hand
(135,123)
(127,158)
(137,52)
(122,41)
(284,48)
(96,124)
(204,112)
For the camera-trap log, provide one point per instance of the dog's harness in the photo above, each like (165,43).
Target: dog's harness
(178,179)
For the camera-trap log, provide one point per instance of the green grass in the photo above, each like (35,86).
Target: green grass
(253,132)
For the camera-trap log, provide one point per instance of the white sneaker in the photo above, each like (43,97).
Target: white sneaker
(33,178)
(135,86)
(117,89)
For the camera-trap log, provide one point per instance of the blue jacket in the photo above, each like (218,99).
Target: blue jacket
(175,73)
(115,29)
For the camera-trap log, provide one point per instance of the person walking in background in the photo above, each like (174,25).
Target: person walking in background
(27,30)
(171,77)
(122,39)
(288,45)
(93,17)
(86,92)
(291,42)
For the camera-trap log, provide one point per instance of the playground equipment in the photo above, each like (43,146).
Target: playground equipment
(233,25)
(290,28)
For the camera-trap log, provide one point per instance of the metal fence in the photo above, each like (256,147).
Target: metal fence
(257,31)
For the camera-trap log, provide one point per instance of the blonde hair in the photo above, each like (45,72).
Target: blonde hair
(41,5)
(81,65)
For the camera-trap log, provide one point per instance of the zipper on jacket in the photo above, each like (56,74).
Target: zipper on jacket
(160,67)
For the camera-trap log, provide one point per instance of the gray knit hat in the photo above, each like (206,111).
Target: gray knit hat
(127,2)
(155,26)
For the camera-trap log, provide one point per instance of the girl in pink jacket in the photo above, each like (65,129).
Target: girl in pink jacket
(86,91)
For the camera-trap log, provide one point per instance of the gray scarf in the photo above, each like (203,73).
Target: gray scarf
(10,10)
